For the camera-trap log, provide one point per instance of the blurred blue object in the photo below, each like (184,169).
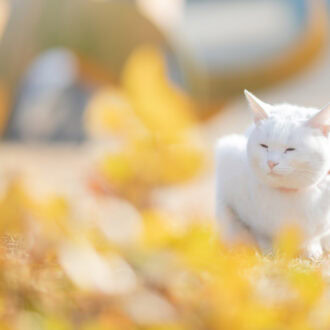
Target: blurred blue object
(214,48)
(231,35)
(224,46)
(51,101)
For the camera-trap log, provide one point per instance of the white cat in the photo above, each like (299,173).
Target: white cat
(277,175)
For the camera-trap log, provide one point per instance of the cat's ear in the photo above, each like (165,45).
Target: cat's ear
(321,120)
(258,107)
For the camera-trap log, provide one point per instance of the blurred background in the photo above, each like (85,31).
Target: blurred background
(111,108)
(186,61)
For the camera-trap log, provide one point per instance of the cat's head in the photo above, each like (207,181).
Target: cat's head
(287,149)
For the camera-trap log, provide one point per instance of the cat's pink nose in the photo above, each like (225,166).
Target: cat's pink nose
(271,164)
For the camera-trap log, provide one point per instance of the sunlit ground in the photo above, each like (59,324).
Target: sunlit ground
(118,232)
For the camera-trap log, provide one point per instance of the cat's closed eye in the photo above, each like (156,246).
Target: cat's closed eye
(264,146)
(290,149)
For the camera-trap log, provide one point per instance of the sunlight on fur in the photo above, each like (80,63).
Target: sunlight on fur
(277,174)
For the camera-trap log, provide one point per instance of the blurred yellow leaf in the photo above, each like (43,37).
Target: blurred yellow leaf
(259,316)
(12,207)
(288,241)
(157,232)
(53,323)
(53,213)
(183,162)
(160,105)
(111,113)
(308,283)
(167,327)
(118,168)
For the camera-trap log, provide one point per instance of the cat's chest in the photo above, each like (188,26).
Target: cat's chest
(268,210)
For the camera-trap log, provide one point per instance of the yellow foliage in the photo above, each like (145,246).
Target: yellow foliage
(308,284)
(150,124)
(52,213)
(53,323)
(11,209)
(288,241)
(63,270)
(162,107)
(189,276)
(157,233)
(117,168)
(110,112)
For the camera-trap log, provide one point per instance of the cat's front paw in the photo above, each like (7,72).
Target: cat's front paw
(313,251)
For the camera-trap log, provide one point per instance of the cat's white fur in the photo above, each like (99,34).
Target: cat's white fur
(255,199)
